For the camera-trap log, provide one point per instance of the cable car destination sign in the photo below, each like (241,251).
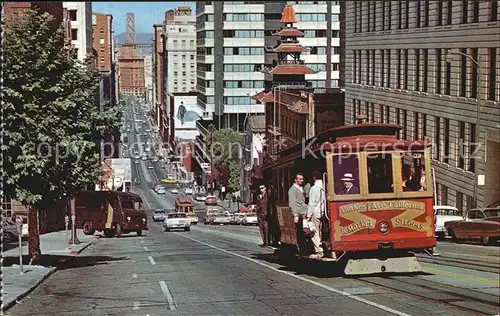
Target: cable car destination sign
(357,214)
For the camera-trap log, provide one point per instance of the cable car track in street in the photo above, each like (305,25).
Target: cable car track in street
(435,291)
(476,265)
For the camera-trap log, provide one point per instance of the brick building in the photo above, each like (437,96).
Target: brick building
(398,71)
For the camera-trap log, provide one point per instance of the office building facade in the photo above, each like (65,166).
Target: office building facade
(398,71)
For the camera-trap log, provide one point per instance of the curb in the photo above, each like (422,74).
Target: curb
(28,291)
(45,277)
(77,252)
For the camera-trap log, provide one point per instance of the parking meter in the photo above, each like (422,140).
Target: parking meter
(66,224)
(73,217)
(19,225)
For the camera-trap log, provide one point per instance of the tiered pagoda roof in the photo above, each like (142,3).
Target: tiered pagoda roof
(294,102)
(289,46)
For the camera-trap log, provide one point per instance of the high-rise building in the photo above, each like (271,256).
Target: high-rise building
(231,42)
(148,77)
(180,51)
(80,14)
(432,67)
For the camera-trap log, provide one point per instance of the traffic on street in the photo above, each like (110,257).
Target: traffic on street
(221,270)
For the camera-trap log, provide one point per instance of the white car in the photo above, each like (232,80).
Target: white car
(177,221)
(201,198)
(443,214)
(144,157)
(174,191)
(136,162)
(161,191)
(188,191)
(193,218)
(249,219)
(150,167)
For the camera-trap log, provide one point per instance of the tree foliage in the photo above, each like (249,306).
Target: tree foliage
(52,124)
(226,146)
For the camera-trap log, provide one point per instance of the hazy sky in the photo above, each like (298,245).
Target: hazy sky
(146,13)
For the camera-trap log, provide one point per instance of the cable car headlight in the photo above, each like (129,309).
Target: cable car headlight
(128,218)
(384,227)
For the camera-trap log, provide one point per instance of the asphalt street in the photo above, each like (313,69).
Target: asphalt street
(220,270)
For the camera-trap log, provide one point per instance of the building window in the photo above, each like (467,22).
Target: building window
(72,15)
(373,67)
(416,126)
(356,17)
(440,13)
(367,79)
(492,74)
(359,65)
(354,66)
(459,200)
(475,16)
(75,53)
(472,147)
(417,69)
(74,34)
(449,12)
(419,5)
(437,137)
(494,10)
(406,70)
(400,14)
(388,81)
(382,67)
(369,24)
(407,14)
(425,69)
(426,13)
(461,142)
(463,72)
(398,74)
(383,16)
(446,138)
(447,79)
(405,125)
(465,11)
(473,92)
(438,70)
(354,111)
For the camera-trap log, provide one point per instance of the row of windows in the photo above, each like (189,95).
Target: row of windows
(319,33)
(420,10)
(242,67)
(322,67)
(463,202)
(243,50)
(378,66)
(244,84)
(415,127)
(243,17)
(238,100)
(315,50)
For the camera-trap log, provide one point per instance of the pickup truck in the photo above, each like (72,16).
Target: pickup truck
(479,224)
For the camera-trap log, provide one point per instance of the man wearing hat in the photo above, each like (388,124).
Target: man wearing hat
(348,181)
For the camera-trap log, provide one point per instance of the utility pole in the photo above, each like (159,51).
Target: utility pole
(211,161)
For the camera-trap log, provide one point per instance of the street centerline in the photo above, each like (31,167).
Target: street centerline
(151,260)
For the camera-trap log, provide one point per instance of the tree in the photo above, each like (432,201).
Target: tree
(51,122)
(226,146)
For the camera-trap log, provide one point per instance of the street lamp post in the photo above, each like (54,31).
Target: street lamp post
(449,59)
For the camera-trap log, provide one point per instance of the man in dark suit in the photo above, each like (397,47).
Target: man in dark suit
(263,215)
(348,181)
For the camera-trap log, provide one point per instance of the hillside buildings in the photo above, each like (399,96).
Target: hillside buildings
(398,70)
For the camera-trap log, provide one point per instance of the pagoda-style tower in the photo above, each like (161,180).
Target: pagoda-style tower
(289,70)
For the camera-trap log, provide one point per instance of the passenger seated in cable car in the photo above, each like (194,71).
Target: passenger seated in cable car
(348,181)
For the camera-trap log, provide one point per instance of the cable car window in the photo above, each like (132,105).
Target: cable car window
(346,174)
(413,172)
(380,173)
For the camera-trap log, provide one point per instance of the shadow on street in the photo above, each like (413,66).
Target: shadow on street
(64,262)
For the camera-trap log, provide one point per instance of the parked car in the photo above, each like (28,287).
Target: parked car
(161,191)
(159,215)
(481,223)
(174,191)
(177,221)
(193,218)
(188,191)
(211,200)
(9,229)
(249,219)
(442,214)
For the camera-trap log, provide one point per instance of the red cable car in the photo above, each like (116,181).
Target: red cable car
(378,193)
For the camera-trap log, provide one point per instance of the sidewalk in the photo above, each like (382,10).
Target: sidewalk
(16,285)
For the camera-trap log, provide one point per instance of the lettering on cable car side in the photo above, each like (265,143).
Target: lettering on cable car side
(360,221)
